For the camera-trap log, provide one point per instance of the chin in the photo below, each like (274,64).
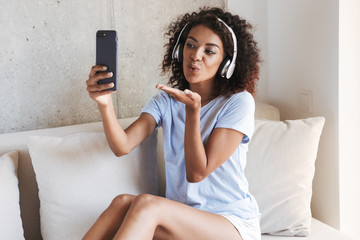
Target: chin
(198,79)
(192,79)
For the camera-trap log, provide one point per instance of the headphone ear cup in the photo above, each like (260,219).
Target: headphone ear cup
(178,53)
(175,53)
(224,66)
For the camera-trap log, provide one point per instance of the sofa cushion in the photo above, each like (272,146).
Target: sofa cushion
(10,221)
(319,231)
(280,170)
(78,176)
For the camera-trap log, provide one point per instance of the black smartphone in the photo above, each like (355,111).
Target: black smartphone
(106,54)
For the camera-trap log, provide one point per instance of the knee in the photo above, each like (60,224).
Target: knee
(146,204)
(122,200)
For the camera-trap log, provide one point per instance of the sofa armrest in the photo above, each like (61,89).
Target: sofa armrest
(266,111)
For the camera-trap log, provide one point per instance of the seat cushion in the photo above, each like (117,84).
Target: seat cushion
(319,231)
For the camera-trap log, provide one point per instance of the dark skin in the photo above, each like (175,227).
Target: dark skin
(152,217)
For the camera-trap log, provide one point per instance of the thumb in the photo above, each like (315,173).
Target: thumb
(188,93)
(192,95)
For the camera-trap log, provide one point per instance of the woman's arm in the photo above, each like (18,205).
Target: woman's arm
(120,141)
(202,160)
(123,141)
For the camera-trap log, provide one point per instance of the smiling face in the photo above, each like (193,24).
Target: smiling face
(202,55)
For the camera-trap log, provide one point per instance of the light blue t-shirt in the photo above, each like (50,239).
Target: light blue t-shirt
(225,189)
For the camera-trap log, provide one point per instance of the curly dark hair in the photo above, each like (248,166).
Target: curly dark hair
(248,54)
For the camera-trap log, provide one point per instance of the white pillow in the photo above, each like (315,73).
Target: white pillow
(78,176)
(10,220)
(280,170)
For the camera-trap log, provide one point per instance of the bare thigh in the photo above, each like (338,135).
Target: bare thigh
(177,221)
(183,222)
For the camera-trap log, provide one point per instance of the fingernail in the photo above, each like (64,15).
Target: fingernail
(186,91)
(104,68)
(109,73)
(111,84)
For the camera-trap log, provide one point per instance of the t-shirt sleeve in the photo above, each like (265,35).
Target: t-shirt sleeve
(157,107)
(239,115)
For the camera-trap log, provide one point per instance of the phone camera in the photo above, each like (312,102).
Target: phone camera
(101,34)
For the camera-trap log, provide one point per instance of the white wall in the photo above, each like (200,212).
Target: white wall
(255,12)
(349,112)
(303,54)
(314,46)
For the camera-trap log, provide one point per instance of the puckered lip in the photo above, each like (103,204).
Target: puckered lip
(193,67)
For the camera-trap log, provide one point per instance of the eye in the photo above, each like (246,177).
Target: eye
(210,52)
(189,45)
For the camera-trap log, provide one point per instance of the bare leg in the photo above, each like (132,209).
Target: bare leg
(155,217)
(110,220)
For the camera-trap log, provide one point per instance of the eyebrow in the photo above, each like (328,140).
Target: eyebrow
(208,44)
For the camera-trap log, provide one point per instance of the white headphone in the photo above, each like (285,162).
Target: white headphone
(227,66)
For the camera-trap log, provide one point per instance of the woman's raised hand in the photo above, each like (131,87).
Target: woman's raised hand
(192,100)
(96,91)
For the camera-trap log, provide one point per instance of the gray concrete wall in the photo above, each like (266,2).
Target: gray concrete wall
(48,46)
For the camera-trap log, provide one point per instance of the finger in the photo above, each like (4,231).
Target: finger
(95,95)
(99,87)
(192,95)
(97,68)
(188,93)
(102,93)
(165,88)
(174,92)
(99,76)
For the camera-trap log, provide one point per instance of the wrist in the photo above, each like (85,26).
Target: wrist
(105,106)
(193,109)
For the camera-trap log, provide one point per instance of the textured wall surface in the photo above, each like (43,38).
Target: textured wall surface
(48,48)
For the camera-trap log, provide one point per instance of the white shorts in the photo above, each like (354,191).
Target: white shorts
(248,229)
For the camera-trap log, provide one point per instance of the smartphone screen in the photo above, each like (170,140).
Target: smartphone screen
(106,54)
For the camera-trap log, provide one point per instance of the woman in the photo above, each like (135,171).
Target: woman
(207,118)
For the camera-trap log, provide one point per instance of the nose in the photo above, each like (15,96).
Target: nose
(196,54)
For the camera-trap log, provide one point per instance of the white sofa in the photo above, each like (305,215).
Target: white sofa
(77,176)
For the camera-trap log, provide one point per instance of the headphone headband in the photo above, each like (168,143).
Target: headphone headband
(175,52)
(231,68)
(228,68)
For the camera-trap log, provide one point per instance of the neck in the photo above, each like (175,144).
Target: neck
(206,92)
